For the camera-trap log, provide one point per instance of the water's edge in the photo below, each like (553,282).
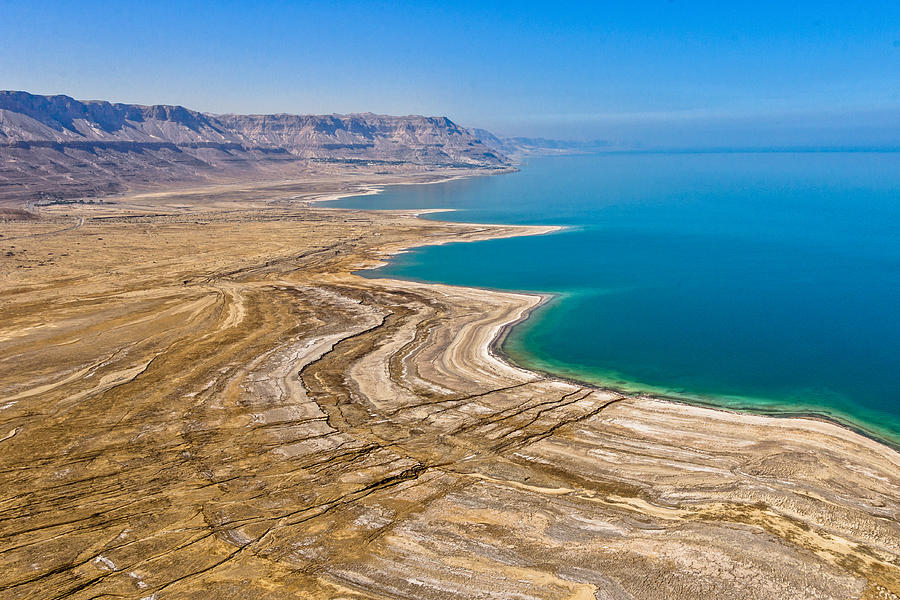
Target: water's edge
(498,348)
(534,363)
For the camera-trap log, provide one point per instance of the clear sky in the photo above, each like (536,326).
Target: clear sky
(670,72)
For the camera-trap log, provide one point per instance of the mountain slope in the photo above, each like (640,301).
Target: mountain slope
(417,139)
(58,147)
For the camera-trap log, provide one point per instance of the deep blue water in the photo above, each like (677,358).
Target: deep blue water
(763,281)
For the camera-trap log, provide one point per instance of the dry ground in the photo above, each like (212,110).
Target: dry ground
(199,400)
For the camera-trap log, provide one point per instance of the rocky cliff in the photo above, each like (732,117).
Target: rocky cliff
(416,139)
(58,147)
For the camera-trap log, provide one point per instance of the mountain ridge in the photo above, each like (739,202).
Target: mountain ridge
(59,147)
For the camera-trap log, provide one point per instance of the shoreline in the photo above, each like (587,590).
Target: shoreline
(375,189)
(299,429)
(495,349)
(496,346)
(848,423)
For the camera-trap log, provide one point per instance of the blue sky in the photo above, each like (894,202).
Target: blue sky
(657,73)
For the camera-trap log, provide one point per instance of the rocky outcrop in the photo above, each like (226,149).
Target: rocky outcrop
(26,117)
(416,139)
(56,147)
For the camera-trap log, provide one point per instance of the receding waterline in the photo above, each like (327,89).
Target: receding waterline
(756,283)
(518,355)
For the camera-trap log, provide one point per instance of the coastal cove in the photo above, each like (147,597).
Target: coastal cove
(762,282)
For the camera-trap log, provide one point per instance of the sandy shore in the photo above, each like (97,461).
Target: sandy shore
(198,399)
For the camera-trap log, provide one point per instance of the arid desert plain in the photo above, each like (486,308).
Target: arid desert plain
(200,399)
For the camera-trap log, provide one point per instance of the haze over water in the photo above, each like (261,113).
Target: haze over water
(763,281)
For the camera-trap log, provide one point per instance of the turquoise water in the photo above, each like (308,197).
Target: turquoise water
(759,281)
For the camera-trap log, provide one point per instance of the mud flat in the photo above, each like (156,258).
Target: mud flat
(198,399)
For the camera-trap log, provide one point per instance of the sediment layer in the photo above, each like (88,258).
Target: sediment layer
(207,403)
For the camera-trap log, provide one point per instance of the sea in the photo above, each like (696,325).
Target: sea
(766,282)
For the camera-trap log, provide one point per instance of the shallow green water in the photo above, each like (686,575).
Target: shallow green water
(766,281)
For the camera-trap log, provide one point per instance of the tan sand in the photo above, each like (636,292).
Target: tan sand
(199,400)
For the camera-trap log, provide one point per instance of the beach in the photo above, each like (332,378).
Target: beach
(202,399)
